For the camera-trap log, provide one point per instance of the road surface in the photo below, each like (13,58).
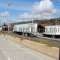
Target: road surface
(12,51)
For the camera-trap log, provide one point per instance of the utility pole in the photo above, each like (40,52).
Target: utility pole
(9,4)
(32,24)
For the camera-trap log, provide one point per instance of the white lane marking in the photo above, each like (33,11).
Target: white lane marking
(5,54)
(9,58)
(14,57)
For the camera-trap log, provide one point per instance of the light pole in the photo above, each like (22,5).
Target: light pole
(8,5)
(32,24)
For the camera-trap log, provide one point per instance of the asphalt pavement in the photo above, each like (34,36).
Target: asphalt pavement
(12,51)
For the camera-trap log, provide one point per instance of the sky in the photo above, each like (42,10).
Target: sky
(20,10)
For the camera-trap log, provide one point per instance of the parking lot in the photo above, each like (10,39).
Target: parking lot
(12,51)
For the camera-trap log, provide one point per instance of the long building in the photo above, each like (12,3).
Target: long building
(41,23)
(44,22)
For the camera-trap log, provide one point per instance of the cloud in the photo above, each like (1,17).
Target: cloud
(44,9)
(25,16)
(29,16)
(44,6)
(4,17)
(6,13)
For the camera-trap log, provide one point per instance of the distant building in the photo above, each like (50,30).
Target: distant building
(7,27)
(41,23)
(44,22)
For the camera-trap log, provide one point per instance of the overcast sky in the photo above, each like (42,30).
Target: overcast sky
(19,10)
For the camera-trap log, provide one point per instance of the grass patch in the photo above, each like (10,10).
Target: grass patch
(49,43)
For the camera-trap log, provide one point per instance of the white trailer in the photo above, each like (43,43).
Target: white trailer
(25,28)
(52,30)
(33,29)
